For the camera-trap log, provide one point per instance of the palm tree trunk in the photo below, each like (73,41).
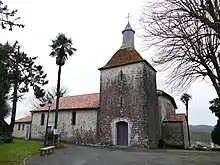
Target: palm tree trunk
(187,120)
(58,97)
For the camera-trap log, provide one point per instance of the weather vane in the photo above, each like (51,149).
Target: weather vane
(128,17)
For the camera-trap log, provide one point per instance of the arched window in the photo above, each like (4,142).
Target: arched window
(42,119)
(73,118)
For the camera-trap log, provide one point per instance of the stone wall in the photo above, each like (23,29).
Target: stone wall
(151,110)
(165,107)
(83,132)
(173,134)
(20,133)
(127,93)
(185,134)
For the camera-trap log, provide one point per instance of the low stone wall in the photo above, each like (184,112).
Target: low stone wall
(173,135)
(80,136)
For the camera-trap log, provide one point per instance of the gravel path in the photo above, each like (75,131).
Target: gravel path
(79,155)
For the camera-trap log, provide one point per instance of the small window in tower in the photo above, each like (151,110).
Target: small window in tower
(73,118)
(121,75)
(121,101)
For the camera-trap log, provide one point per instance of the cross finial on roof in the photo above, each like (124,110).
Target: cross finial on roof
(128,17)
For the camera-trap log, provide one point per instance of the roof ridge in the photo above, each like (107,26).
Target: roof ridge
(79,95)
(86,94)
(25,116)
(24,119)
(180,114)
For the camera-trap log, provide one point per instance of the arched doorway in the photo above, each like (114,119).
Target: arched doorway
(122,133)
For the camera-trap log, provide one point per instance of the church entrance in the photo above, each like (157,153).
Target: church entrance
(122,133)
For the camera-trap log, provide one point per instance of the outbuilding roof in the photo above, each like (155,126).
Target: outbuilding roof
(25,119)
(180,117)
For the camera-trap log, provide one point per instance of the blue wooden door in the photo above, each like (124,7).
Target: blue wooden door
(27,132)
(122,133)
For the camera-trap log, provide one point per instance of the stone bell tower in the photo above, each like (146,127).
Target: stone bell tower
(128,112)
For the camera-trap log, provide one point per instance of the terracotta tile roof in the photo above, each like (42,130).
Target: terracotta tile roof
(75,102)
(25,119)
(180,117)
(122,57)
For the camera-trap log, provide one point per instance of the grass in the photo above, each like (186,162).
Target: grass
(14,153)
(201,136)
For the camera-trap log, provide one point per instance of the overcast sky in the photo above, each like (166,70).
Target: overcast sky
(95,28)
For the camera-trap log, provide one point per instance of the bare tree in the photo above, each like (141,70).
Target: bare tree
(206,11)
(50,94)
(185,47)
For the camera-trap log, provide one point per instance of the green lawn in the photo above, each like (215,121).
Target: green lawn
(201,136)
(14,153)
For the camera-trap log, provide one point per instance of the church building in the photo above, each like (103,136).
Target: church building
(129,109)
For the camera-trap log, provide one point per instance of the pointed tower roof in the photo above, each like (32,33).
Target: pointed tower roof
(128,37)
(128,28)
(122,57)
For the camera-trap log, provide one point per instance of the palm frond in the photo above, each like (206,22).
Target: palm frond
(53,54)
(185,98)
(62,47)
(69,51)
(73,49)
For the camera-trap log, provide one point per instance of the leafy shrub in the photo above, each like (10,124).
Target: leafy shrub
(216,133)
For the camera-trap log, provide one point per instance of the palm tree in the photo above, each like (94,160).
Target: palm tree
(185,99)
(61,49)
